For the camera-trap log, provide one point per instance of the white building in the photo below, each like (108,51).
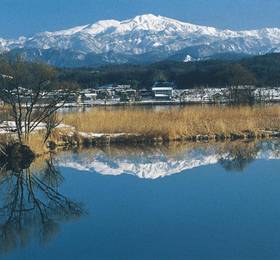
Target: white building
(163,90)
(165,93)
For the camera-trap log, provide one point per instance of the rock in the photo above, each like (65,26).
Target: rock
(17,157)
(51,145)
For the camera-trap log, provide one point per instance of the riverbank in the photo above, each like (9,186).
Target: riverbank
(190,124)
(90,139)
(179,123)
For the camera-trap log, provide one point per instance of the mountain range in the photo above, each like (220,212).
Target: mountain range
(143,39)
(159,162)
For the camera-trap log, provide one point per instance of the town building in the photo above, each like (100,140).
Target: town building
(163,90)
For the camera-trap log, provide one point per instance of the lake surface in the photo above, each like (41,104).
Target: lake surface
(192,201)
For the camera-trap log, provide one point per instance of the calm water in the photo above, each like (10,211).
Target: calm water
(177,202)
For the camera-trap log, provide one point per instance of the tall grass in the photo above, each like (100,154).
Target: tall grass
(36,140)
(173,123)
(169,124)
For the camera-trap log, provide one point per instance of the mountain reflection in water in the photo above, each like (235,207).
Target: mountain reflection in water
(31,205)
(161,161)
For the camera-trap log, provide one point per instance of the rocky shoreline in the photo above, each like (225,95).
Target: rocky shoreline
(68,136)
(81,139)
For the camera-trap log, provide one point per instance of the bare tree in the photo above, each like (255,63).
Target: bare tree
(34,95)
(51,122)
(242,94)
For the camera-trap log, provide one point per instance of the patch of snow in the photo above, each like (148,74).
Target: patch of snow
(188,58)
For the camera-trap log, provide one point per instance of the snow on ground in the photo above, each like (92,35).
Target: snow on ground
(7,127)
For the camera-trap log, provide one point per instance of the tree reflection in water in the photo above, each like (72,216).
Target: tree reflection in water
(237,156)
(31,206)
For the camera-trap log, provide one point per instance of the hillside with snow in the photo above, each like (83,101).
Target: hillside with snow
(145,38)
(158,163)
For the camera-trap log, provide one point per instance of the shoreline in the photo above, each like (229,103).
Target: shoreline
(72,140)
(156,103)
(132,127)
(91,140)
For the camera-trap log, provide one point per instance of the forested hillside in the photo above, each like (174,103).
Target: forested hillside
(259,70)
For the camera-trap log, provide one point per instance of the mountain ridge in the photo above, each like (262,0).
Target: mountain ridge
(158,164)
(149,35)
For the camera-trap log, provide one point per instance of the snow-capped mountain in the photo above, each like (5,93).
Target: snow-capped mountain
(157,163)
(146,37)
(152,165)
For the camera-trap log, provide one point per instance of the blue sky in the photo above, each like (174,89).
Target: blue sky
(26,17)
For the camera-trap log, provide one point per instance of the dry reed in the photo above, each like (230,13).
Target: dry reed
(173,123)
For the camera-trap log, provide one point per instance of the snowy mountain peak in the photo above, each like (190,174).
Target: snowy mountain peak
(146,34)
(145,18)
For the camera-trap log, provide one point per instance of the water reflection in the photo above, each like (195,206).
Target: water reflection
(237,158)
(31,205)
(161,161)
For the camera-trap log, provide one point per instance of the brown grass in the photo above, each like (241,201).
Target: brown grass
(169,124)
(36,140)
(36,143)
(173,123)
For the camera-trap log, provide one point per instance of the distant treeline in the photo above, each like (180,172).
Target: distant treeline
(259,71)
